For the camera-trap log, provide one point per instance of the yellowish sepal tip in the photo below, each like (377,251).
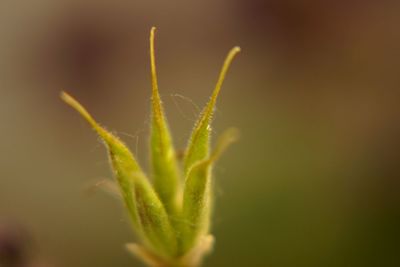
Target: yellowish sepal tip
(79,108)
(236,49)
(75,105)
(228,137)
(68,99)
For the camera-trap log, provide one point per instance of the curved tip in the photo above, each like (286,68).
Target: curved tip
(228,60)
(153,63)
(152,34)
(65,96)
(228,137)
(68,99)
(231,135)
(232,53)
(237,49)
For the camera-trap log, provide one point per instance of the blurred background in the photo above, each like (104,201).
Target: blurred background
(314,180)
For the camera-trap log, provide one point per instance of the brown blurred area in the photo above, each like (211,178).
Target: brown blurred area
(314,180)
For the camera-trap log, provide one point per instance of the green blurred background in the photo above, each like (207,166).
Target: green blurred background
(314,180)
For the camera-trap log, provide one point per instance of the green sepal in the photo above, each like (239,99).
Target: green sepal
(145,208)
(153,218)
(122,160)
(197,197)
(199,143)
(166,176)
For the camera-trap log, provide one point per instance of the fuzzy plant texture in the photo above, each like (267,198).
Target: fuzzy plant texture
(171,213)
